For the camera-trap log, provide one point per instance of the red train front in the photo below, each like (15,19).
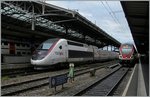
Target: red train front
(126,54)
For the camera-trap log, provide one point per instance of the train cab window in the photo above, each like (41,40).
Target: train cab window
(126,50)
(47,44)
(60,47)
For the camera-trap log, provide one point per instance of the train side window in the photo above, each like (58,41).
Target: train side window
(60,47)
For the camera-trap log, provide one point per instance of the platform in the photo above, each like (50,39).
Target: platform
(138,84)
(15,66)
(15,59)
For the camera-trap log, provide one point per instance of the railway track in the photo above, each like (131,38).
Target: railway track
(13,89)
(20,72)
(104,86)
(31,71)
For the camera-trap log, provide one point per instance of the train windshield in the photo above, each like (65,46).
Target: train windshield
(42,50)
(47,44)
(126,50)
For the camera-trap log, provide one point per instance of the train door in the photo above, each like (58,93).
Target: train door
(11,48)
(64,51)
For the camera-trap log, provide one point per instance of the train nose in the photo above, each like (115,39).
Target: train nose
(38,55)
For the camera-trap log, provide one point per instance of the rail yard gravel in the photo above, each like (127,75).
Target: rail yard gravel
(44,90)
(120,89)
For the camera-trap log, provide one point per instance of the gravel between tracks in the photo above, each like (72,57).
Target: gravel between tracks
(44,90)
(120,89)
(29,77)
(79,82)
(87,82)
(40,75)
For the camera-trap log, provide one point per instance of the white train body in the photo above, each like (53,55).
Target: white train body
(54,51)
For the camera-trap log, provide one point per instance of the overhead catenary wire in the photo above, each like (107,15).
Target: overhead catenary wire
(124,28)
(112,12)
(109,10)
(115,16)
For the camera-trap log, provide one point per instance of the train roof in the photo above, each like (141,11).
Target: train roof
(130,44)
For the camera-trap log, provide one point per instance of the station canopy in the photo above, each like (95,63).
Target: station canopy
(137,14)
(42,20)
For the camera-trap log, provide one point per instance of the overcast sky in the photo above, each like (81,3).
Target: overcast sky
(108,15)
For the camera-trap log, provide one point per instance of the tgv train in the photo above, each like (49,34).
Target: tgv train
(127,54)
(54,51)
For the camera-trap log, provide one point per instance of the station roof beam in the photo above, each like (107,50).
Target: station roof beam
(137,14)
(56,21)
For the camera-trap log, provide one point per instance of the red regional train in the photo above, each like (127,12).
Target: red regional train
(127,54)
